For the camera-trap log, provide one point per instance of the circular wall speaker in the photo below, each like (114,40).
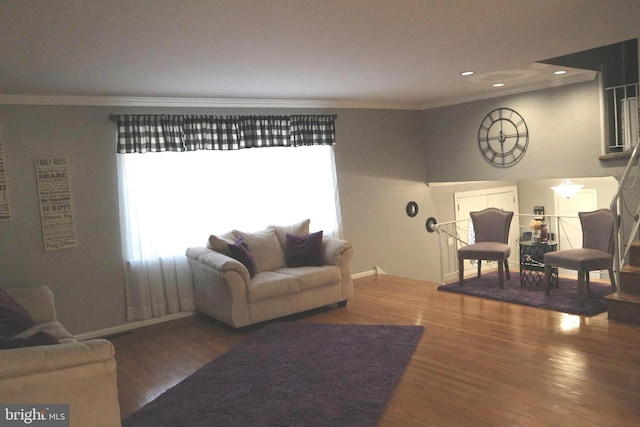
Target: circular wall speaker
(431,224)
(412,209)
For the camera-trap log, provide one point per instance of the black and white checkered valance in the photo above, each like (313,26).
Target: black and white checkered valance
(155,133)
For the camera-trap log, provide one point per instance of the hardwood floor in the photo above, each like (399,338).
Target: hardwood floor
(479,362)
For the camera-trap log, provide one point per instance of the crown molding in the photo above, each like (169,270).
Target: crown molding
(142,101)
(563,81)
(139,101)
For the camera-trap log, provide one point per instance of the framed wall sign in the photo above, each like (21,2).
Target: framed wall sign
(56,213)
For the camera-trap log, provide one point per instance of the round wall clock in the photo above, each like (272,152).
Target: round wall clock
(503,137)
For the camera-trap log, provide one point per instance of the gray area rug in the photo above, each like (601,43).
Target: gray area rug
(563,299)
(292,374)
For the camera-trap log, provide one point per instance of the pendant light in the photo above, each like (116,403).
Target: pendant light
(567,189)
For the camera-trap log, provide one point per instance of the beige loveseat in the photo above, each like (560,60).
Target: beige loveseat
(225,290)
(80,374)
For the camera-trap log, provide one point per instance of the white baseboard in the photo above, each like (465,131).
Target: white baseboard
(449,277)
(126,327)
(379,271)
(374,272)
(364,274)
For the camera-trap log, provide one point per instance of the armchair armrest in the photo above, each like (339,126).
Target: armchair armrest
(80,374)
(38,302)
(333,250)
(25,361)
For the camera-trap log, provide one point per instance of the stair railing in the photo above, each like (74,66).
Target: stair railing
(622,250)
(622,115)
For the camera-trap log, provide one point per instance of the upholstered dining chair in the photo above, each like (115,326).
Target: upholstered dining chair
(598,228)
(491,227)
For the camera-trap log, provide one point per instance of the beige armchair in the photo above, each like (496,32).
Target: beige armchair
(80,374)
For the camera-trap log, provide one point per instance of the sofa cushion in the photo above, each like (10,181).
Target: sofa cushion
(298,229)
(266,249)
(269,284)
(240,251)
(313,277)
(14,319)
(304,250)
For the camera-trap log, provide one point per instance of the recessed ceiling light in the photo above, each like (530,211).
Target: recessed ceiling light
(557,73)
(467,73)
(498,84)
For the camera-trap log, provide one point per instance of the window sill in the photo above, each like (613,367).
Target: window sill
(625,155)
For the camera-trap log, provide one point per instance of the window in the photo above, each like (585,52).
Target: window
(170,201)
(176,200)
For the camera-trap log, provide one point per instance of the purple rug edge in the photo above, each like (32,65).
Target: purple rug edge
(562,299)
(292,374)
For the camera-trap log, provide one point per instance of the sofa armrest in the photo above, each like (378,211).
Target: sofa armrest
(80,374)
(220,286)
(219,262)
(333,250)
(38,302)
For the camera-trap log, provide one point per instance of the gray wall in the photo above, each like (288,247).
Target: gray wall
(384,159)
(564,136)
(379,167)
(87,280)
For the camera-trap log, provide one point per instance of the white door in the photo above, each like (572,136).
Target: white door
(505,198)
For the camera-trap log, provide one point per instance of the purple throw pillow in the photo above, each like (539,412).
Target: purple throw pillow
(14,319)
(240,251)
(304,250)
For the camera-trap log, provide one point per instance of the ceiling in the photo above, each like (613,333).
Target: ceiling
(350,53)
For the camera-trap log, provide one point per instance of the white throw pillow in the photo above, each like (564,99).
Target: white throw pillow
(265,248)
(221,243)
(299,229)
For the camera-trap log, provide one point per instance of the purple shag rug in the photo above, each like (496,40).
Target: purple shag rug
(563,299)
(302,374)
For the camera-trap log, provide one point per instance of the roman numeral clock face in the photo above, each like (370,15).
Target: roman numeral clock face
(503,137)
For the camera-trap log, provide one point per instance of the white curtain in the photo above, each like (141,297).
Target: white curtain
(170,201)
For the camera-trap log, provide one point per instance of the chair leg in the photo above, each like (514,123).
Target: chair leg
(460,271)
(506,269)
(479,267)
(547,279)
(587,280)
(581,288)
(500,275)
(613,280)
